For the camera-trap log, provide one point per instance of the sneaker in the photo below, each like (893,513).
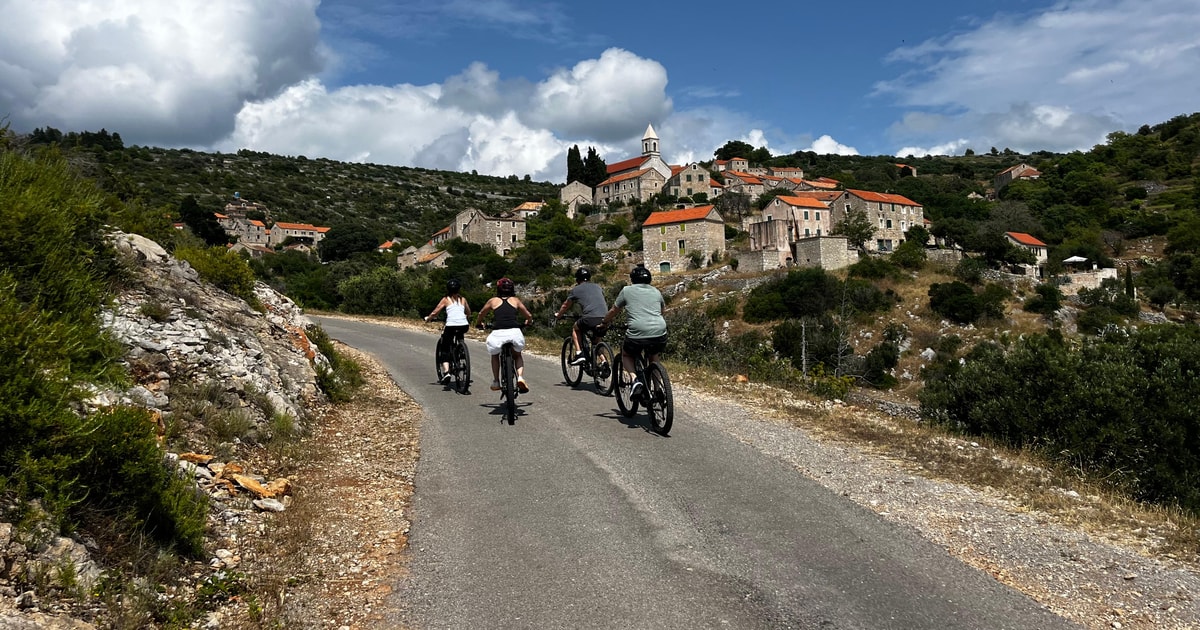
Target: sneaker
(521,386)
(579,359)
(495,386)
(636,389)
(446,377)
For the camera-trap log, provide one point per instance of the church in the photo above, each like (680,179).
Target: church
(632,180)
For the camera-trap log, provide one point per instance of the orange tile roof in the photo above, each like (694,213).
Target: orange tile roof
(386,245)
(530,205)
(624,165)
(675,170)
(442,231)
(1025,239)
(677,216)
(300,226)
(803,202)
(257,223)
(220,216)
(622,177)
(823,195)
(883,197)
(430,256)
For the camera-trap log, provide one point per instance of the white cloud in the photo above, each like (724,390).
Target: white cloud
(603,98)
(827,145)
(170,73)
(1060,79)
(954,147)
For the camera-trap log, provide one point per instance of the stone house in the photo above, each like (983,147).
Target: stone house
(529,209)
(743,182)
(688,180)
(504,232)
(732,164)
(303,233)
(668,238)
(1014,173)
(786,172)
(891,215)
(573,195)
(1040,250)
(632,186)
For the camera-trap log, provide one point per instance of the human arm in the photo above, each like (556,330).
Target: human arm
(437,309)
(524,311)
(487,308)
(566,306)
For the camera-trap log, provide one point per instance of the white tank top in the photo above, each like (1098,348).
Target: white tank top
(456,314)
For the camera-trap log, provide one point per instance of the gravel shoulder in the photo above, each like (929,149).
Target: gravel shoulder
(338,551)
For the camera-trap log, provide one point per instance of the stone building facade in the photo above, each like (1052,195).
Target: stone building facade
(890,214)
(669,238)
(504,233)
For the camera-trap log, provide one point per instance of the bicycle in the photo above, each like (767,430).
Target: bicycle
(459,359)
(655,396)
(508,380)
(598,361)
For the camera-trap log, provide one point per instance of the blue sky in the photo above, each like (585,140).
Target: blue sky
(506,87)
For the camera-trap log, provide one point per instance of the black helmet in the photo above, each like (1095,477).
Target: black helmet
(453,286)
(639,275)
(582,274)
(505,287)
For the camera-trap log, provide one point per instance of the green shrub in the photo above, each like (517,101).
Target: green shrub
(874,268)
(228,272)
(343,377)
(955,301)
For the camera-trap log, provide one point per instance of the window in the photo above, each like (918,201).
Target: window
(806,233)
(689,177)
(681,245)
(682,227)
(818,215)
(662,229)
(806,215)
(889,224)
(514,238)
(664,245)
(818,231)
(881,223)
(847,208)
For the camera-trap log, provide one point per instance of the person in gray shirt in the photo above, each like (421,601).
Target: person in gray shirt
(647,328)
(592,305)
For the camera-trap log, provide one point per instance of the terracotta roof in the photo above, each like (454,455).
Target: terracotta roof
(220,216)
(823,195)
(442,231)
(883,197)
(625,165)
(386,245)
(803,202)
(677,216)
(430,256)
(821,182)
(530,205)
(675,170)
(257,223)
(1025,239)
(622,177)
(300,226)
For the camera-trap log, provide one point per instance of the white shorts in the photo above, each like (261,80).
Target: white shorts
(498,338)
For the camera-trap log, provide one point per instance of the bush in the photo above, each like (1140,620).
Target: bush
(226,271)
(1047,301)
(956,302)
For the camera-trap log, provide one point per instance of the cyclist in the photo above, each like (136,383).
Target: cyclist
(505,329)
(457,312)
(592,305)
(647,328)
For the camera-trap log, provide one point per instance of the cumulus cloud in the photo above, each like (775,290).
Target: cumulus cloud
(827,145)
(169,73)
(601,98)
(1060,79)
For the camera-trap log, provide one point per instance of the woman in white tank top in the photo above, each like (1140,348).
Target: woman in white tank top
(457,312)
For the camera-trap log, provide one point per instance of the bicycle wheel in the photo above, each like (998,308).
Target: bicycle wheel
(660,403)
(462,368)
(626,402)
(509,386)
(572,374)
(602,369)
(439,353)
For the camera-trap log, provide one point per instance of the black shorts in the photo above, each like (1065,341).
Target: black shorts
(589,324)
(454,331)
(650,345)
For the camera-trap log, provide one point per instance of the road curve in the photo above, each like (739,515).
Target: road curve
(575,517)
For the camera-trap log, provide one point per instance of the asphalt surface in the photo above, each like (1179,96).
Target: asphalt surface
(576,517)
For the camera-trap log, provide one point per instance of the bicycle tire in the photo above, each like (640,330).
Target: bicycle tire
(462,368)
(660,405)
(626,403)
(572,374)
(509,386)
(438,354)
(602,369)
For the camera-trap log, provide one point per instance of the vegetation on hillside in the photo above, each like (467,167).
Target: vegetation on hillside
(804,327)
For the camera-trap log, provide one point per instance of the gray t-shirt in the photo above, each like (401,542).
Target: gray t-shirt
(590,298)
(644,305)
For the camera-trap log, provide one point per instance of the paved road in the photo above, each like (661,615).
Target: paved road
(575,517)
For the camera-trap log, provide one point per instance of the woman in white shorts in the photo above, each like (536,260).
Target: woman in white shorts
(505,328)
